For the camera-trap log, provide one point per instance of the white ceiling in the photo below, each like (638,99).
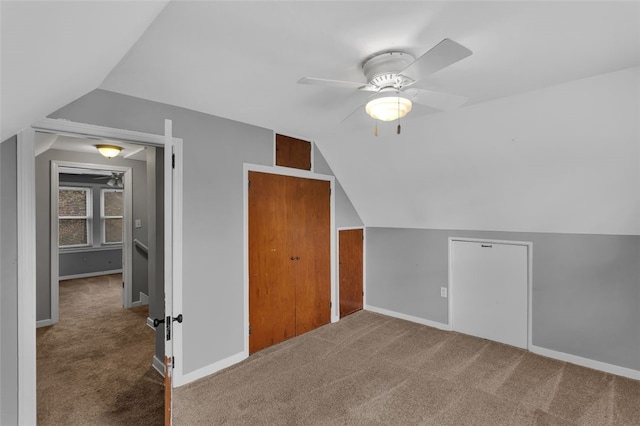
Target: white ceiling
(47,141)
(53,52)
(241,60)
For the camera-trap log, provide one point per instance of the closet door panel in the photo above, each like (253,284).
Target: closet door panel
(271,296)
(310,235)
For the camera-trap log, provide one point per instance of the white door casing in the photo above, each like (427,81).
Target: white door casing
(27,247)
(127,241)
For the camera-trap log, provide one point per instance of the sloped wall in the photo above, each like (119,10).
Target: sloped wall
(563,159)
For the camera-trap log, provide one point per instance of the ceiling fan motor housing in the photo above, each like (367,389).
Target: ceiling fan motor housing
(383,70)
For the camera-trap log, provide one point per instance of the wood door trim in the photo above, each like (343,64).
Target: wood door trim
(167,391)
(287,172)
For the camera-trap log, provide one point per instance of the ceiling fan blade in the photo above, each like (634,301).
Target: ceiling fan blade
(443,54)
(337,83)
(437,100)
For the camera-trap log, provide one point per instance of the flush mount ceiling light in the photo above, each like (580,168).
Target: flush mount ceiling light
(109,151)
(388,107)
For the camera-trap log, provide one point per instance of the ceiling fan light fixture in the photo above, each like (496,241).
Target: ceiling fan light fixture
(109,151)
(388,108)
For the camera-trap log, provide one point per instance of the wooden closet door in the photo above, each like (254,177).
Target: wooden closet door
(292,152)
(289,257)
(351,271)
(310,234)
(272,309)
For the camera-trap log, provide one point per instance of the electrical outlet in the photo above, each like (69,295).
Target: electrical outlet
(443,292)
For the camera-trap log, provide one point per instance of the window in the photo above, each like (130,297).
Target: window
(74,217)
(111,215)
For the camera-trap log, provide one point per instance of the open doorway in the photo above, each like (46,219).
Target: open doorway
(95,337)
(91,232)
(167,248)
(95,242)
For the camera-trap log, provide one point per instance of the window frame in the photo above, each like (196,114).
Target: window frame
(88,216)
(103,217)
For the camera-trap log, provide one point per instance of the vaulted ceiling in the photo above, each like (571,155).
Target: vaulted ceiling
(241,60)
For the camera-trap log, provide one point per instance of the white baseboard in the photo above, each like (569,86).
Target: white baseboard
(90,274)
(158,365)
(586,362)
(411,318)
(44,323)
(208,370)
(150,323)
(141,302)
(561,356)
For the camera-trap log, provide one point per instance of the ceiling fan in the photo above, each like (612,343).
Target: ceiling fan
(115,179)
(390,75)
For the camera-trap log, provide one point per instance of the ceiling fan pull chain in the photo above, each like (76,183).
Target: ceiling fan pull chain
(398,131)
(375,131)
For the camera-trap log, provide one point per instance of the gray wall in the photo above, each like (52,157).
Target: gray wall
(585,294)
(8,284)
(90,262)
(139,274)
(213,251)
(43,220)
(346,214)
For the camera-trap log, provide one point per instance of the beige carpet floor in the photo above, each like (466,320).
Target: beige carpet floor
(94,366)
(370,369)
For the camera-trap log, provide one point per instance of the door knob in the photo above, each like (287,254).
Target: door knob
(157,322)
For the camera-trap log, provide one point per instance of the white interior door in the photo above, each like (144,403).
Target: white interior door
(168,269)
(488,291)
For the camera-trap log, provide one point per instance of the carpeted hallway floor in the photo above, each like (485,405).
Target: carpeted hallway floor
(94,366)
(370,369)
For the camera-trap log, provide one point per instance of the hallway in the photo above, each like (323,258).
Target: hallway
(94,366)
